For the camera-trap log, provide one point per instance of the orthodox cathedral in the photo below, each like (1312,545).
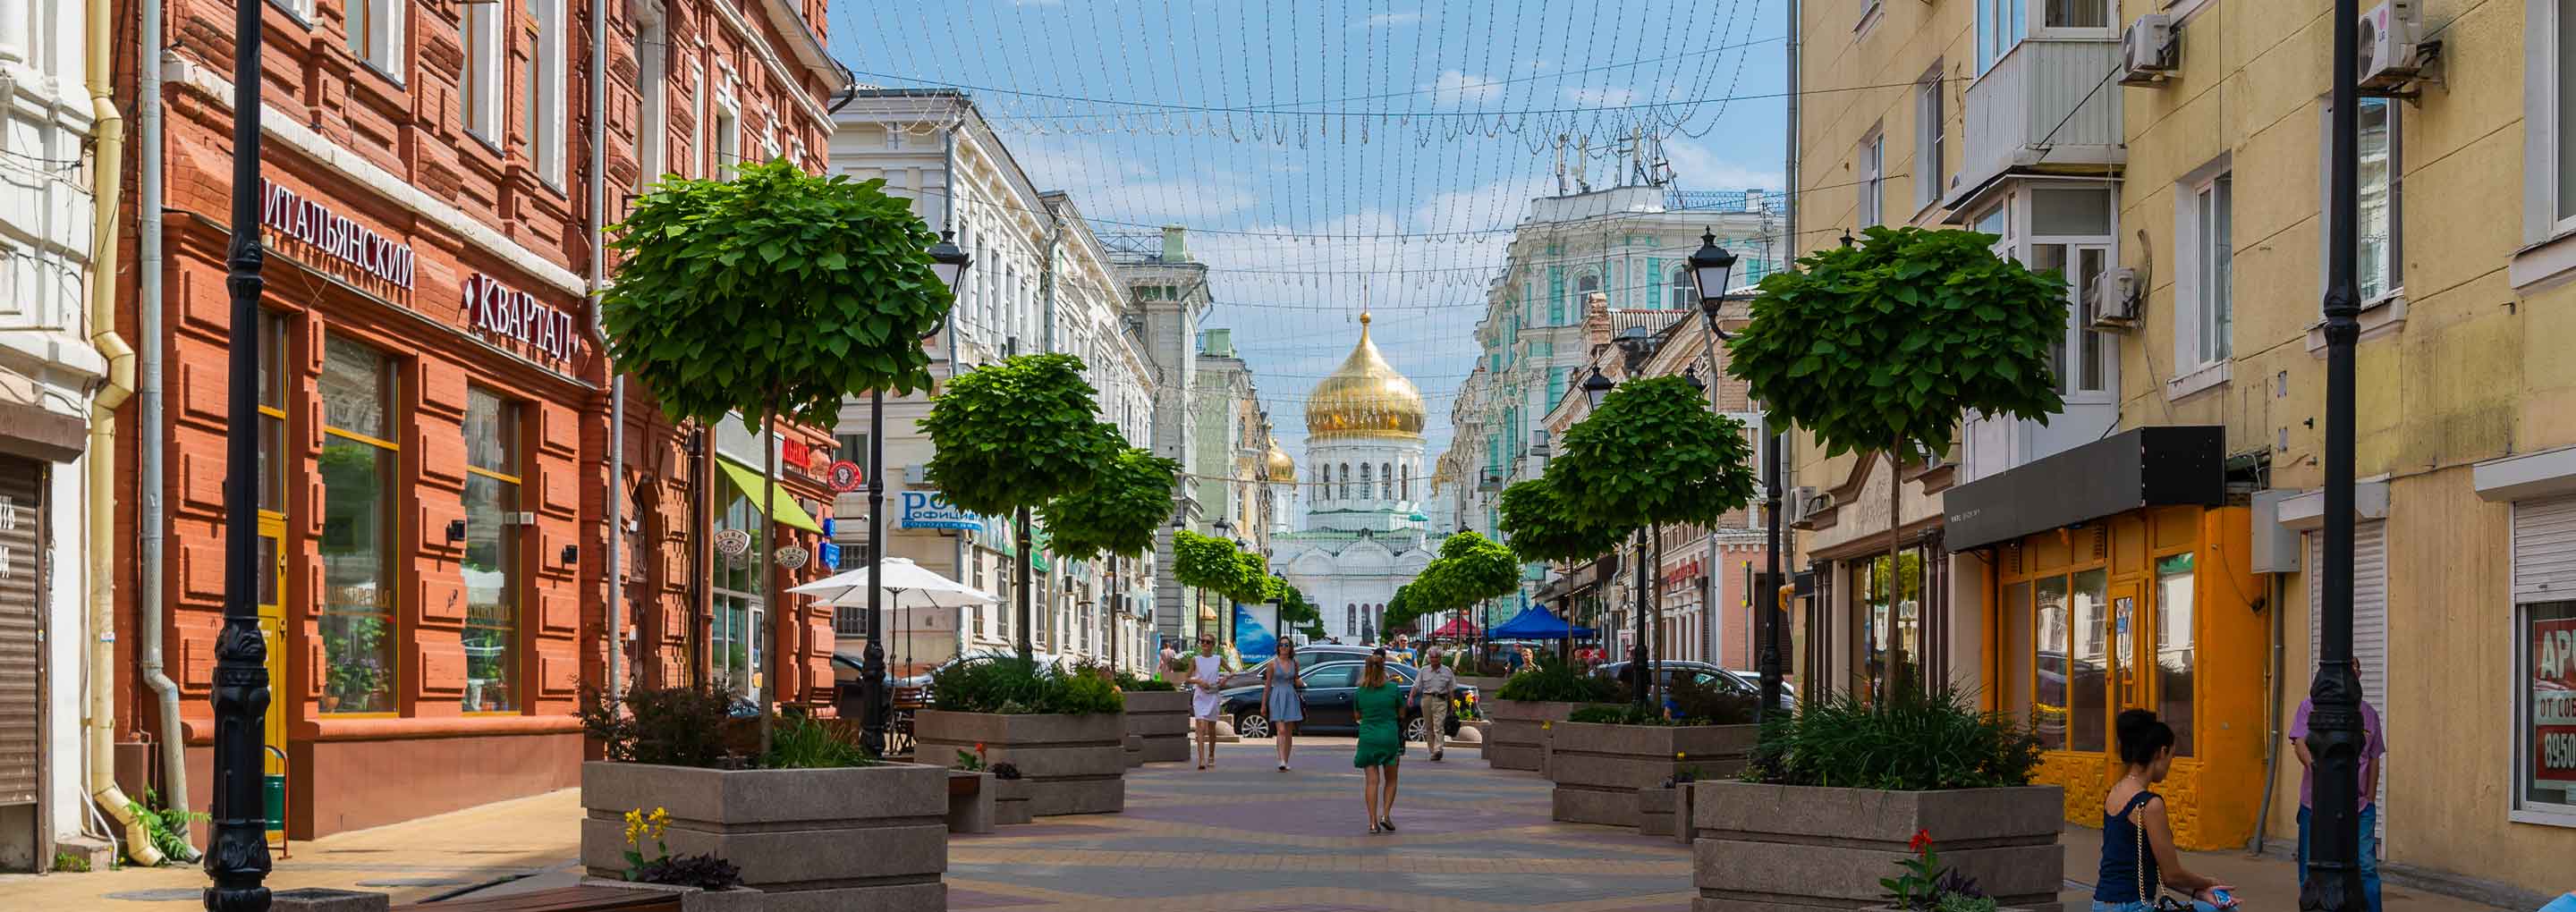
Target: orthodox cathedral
(1365,532)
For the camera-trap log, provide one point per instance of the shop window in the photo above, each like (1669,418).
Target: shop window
(494,572)
(358,520)
(739,618)
(2175,616)
(2018,654)
(1892,643)
(272,415)
(2545,772)
(2092,663)
(2052,708)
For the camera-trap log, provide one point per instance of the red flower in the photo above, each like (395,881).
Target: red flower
(1922,840)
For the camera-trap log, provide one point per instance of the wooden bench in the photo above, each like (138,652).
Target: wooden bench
(567,899)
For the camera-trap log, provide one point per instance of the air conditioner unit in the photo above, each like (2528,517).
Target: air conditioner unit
(2147,51)
(1802,501)
(2113,303)
(2389,35)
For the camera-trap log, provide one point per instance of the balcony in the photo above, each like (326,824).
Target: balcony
(2024,113)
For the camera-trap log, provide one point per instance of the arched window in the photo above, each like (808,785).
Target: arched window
(1368,487)
(1346,481)
(1387,473)
(1350,616)
(1408,481)
(1684,295)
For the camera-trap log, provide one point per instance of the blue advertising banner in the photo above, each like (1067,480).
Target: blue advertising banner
(927,510)
(1256,632)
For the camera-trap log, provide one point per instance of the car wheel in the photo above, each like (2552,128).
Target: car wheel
(1417,729)
(1252,725)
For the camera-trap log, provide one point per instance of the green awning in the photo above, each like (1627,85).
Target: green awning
(788,513)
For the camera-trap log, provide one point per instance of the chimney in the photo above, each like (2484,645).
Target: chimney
(1174,250)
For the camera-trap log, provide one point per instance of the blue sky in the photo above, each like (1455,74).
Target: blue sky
(1319,147)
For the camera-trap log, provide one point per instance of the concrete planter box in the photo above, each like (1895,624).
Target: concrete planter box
(1516,740)
(1069,764)
(873,838)
(1599,769)
(1665,812)
(1011,801)
(1786,848)
(1133,749)
(1162,717)
(1484,685)
(692,899)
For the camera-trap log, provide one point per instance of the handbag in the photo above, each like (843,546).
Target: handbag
(2154,900)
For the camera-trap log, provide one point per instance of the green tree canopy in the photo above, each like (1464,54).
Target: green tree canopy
(1542,527)
(1479,567)
(1205,562)
(1251,578)
(1883,347)
(1119,513)
(1019,434)
(1653,453)
(775,290)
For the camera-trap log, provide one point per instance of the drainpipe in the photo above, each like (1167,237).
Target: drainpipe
(616,380)
(948,222)
(109,166)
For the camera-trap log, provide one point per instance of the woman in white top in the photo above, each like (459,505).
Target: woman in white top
(1207,676)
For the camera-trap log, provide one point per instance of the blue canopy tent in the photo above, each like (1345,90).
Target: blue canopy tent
(1536,623)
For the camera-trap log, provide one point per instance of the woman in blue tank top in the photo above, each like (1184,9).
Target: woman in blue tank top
(2138,857)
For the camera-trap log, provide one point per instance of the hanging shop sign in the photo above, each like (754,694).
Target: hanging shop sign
(732,542)
(791,556)
(314,224)
(844,476)
(499,311)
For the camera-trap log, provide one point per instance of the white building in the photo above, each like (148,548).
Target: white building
(1365,533)
(1039,281)
(49,364)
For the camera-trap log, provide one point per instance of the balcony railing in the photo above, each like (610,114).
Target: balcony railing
(2049,100)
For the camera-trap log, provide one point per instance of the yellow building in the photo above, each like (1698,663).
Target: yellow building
(2180,192)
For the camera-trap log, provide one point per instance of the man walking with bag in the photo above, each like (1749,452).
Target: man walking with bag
(1431,692)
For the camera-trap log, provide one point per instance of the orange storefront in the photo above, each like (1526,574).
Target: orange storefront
(2155,607)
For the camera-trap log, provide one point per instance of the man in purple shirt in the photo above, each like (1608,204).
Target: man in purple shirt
(2374,745)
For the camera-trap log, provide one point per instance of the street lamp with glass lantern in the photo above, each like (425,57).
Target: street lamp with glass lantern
(949,262)
(1596,386)
(1712,269)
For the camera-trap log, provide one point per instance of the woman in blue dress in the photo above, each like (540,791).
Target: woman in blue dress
(1283,699)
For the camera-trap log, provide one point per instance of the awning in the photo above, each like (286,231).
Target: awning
(2142,467)
(787,512)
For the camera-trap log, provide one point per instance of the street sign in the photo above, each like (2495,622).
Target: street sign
(791,556)
(732,542)
(844,476)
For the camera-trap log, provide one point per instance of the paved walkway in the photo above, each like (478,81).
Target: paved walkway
(1241,837)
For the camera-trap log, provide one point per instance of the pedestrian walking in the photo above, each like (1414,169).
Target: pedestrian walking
(1285,698)
(1379,708)
(1207,675)
(1431,692)
(2374,745)
(2138,856)
(1172,668)
(1403,650)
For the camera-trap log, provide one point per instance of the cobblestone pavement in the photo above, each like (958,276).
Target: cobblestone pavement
(1246,836)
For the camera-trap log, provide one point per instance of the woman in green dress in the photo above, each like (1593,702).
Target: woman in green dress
(1380,708)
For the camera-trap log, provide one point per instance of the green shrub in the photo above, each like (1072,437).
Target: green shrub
(1123,679)
(804,742)
(1556,682)
(71,863)
(1913,740)
(168,828)
(669,726)
(1012,685)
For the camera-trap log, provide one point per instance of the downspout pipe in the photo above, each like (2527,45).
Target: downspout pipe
(598,192)
(151,449)
(109,168)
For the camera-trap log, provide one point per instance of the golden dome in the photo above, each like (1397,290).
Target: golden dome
(1282,469)
(1365,397)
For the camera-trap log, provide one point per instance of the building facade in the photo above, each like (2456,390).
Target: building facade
(433,489)
(1170,297)
(1365,533)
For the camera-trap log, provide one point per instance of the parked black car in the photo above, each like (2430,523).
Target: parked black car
(1329,688)
(1724,679)
(1311,654)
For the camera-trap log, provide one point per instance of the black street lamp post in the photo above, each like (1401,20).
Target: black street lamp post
(950,263)
(237,856)
(2334,732)
(1712,268)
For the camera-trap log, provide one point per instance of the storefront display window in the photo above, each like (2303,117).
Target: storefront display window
(272,413)
(1893,645)
(738,617)
(2174,647)
(2091,664)
(2051,711)
(358,463)
(492,560)
(2545,776)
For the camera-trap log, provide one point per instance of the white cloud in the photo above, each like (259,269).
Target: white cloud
(1698,167)
(1383,20)
(1455,88)
(1088,168)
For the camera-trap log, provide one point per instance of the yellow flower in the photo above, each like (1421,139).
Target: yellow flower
(1681,755)
(661,820)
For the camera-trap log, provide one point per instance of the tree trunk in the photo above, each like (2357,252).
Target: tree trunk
(1895,544)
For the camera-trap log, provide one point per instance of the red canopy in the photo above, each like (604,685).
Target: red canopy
(1456,629)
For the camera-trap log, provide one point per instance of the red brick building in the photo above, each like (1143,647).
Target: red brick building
(435,432)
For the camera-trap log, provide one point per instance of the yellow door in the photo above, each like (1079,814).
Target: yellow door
(272,628)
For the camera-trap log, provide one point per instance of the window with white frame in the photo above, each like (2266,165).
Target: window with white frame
(2544,649)
(375,34)
(1873,158)
(2549,92)
(1927,139)
(652,44)
(2382,269)
(728,139)
(545,92)
(1684,294)
(2204,318)
(2002,24)
(478,86)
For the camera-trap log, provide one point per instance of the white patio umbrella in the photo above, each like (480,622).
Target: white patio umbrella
(907,585)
